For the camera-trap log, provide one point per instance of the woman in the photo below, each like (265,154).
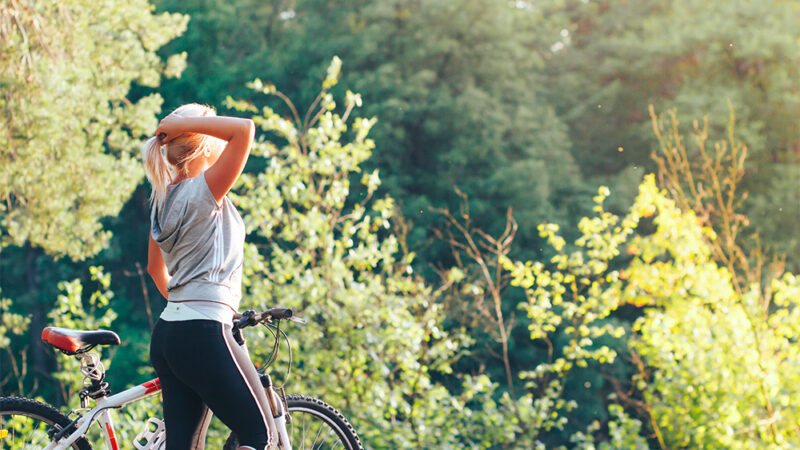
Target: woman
(195,258)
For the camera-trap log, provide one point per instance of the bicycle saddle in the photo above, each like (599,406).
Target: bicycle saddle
(71,341)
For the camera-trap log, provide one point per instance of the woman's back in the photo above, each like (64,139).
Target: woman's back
(201,242)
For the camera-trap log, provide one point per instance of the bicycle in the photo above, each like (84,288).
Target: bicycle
(30,424)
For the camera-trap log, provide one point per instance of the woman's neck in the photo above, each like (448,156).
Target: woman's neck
(193,169)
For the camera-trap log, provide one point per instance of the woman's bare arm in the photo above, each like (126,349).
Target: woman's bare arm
(237,131)
(157,268)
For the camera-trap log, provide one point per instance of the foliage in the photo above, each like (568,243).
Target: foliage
(430,68)
(15,355)
(473,290)
(731,352)
(574,299)
(374,337)
(623,432)
(226,42)
(69,138)
(569,310)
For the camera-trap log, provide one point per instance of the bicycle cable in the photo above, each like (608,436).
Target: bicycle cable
(277,332)
(289,366)
(272,353)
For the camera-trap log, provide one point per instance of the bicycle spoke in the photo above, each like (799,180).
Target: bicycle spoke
(313,433)
(324,440)
(336,442)
(23,432)
(302,436)
(317,436)
(30,436)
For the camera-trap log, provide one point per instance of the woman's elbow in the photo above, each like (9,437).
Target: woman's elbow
(153,272)
(250,129)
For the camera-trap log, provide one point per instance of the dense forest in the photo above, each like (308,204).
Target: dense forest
(523,224)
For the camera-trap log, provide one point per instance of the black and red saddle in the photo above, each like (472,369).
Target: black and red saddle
(77,341)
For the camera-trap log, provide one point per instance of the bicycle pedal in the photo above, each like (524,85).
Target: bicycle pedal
(153,437)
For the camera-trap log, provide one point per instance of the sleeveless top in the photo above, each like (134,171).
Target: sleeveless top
(202,244)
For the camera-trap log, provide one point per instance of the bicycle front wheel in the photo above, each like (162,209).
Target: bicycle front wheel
(28,424)
(315,425)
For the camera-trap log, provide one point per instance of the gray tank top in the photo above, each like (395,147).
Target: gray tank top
(202,244)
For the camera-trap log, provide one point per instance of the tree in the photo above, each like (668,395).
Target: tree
(226,42)
(614,58)
(70,136)
(456,87)
(69,140)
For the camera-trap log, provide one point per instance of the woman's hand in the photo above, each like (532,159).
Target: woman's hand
(169,128)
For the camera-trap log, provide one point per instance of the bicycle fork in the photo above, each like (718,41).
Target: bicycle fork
(279,415)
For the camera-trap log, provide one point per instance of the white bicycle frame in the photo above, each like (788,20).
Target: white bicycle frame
(101,413)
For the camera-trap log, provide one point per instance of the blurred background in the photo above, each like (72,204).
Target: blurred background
(456,194)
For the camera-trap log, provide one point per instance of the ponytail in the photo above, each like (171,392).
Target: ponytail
(157,170)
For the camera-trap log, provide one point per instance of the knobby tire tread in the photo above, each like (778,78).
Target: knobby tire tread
(316,404)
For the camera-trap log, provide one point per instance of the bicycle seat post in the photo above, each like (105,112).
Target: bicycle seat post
(93,375)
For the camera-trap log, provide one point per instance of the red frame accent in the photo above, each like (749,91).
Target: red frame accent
(152,385)
(112,438)
(58,340)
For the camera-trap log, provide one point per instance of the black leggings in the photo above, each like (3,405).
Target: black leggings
(199,363)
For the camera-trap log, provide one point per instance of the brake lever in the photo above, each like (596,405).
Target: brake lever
(299,320)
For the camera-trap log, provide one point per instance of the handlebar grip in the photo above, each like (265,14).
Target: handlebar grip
(281,313)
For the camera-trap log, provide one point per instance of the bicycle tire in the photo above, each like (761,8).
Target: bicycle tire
(304,409)
(32,409)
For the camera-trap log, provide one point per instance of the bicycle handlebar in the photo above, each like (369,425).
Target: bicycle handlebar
(250,318)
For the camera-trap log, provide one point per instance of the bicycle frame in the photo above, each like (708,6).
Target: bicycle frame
(277,415)
(101,414)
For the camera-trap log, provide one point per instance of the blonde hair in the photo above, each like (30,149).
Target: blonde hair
(162,167)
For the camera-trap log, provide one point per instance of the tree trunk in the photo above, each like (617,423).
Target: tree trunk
(37,355)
